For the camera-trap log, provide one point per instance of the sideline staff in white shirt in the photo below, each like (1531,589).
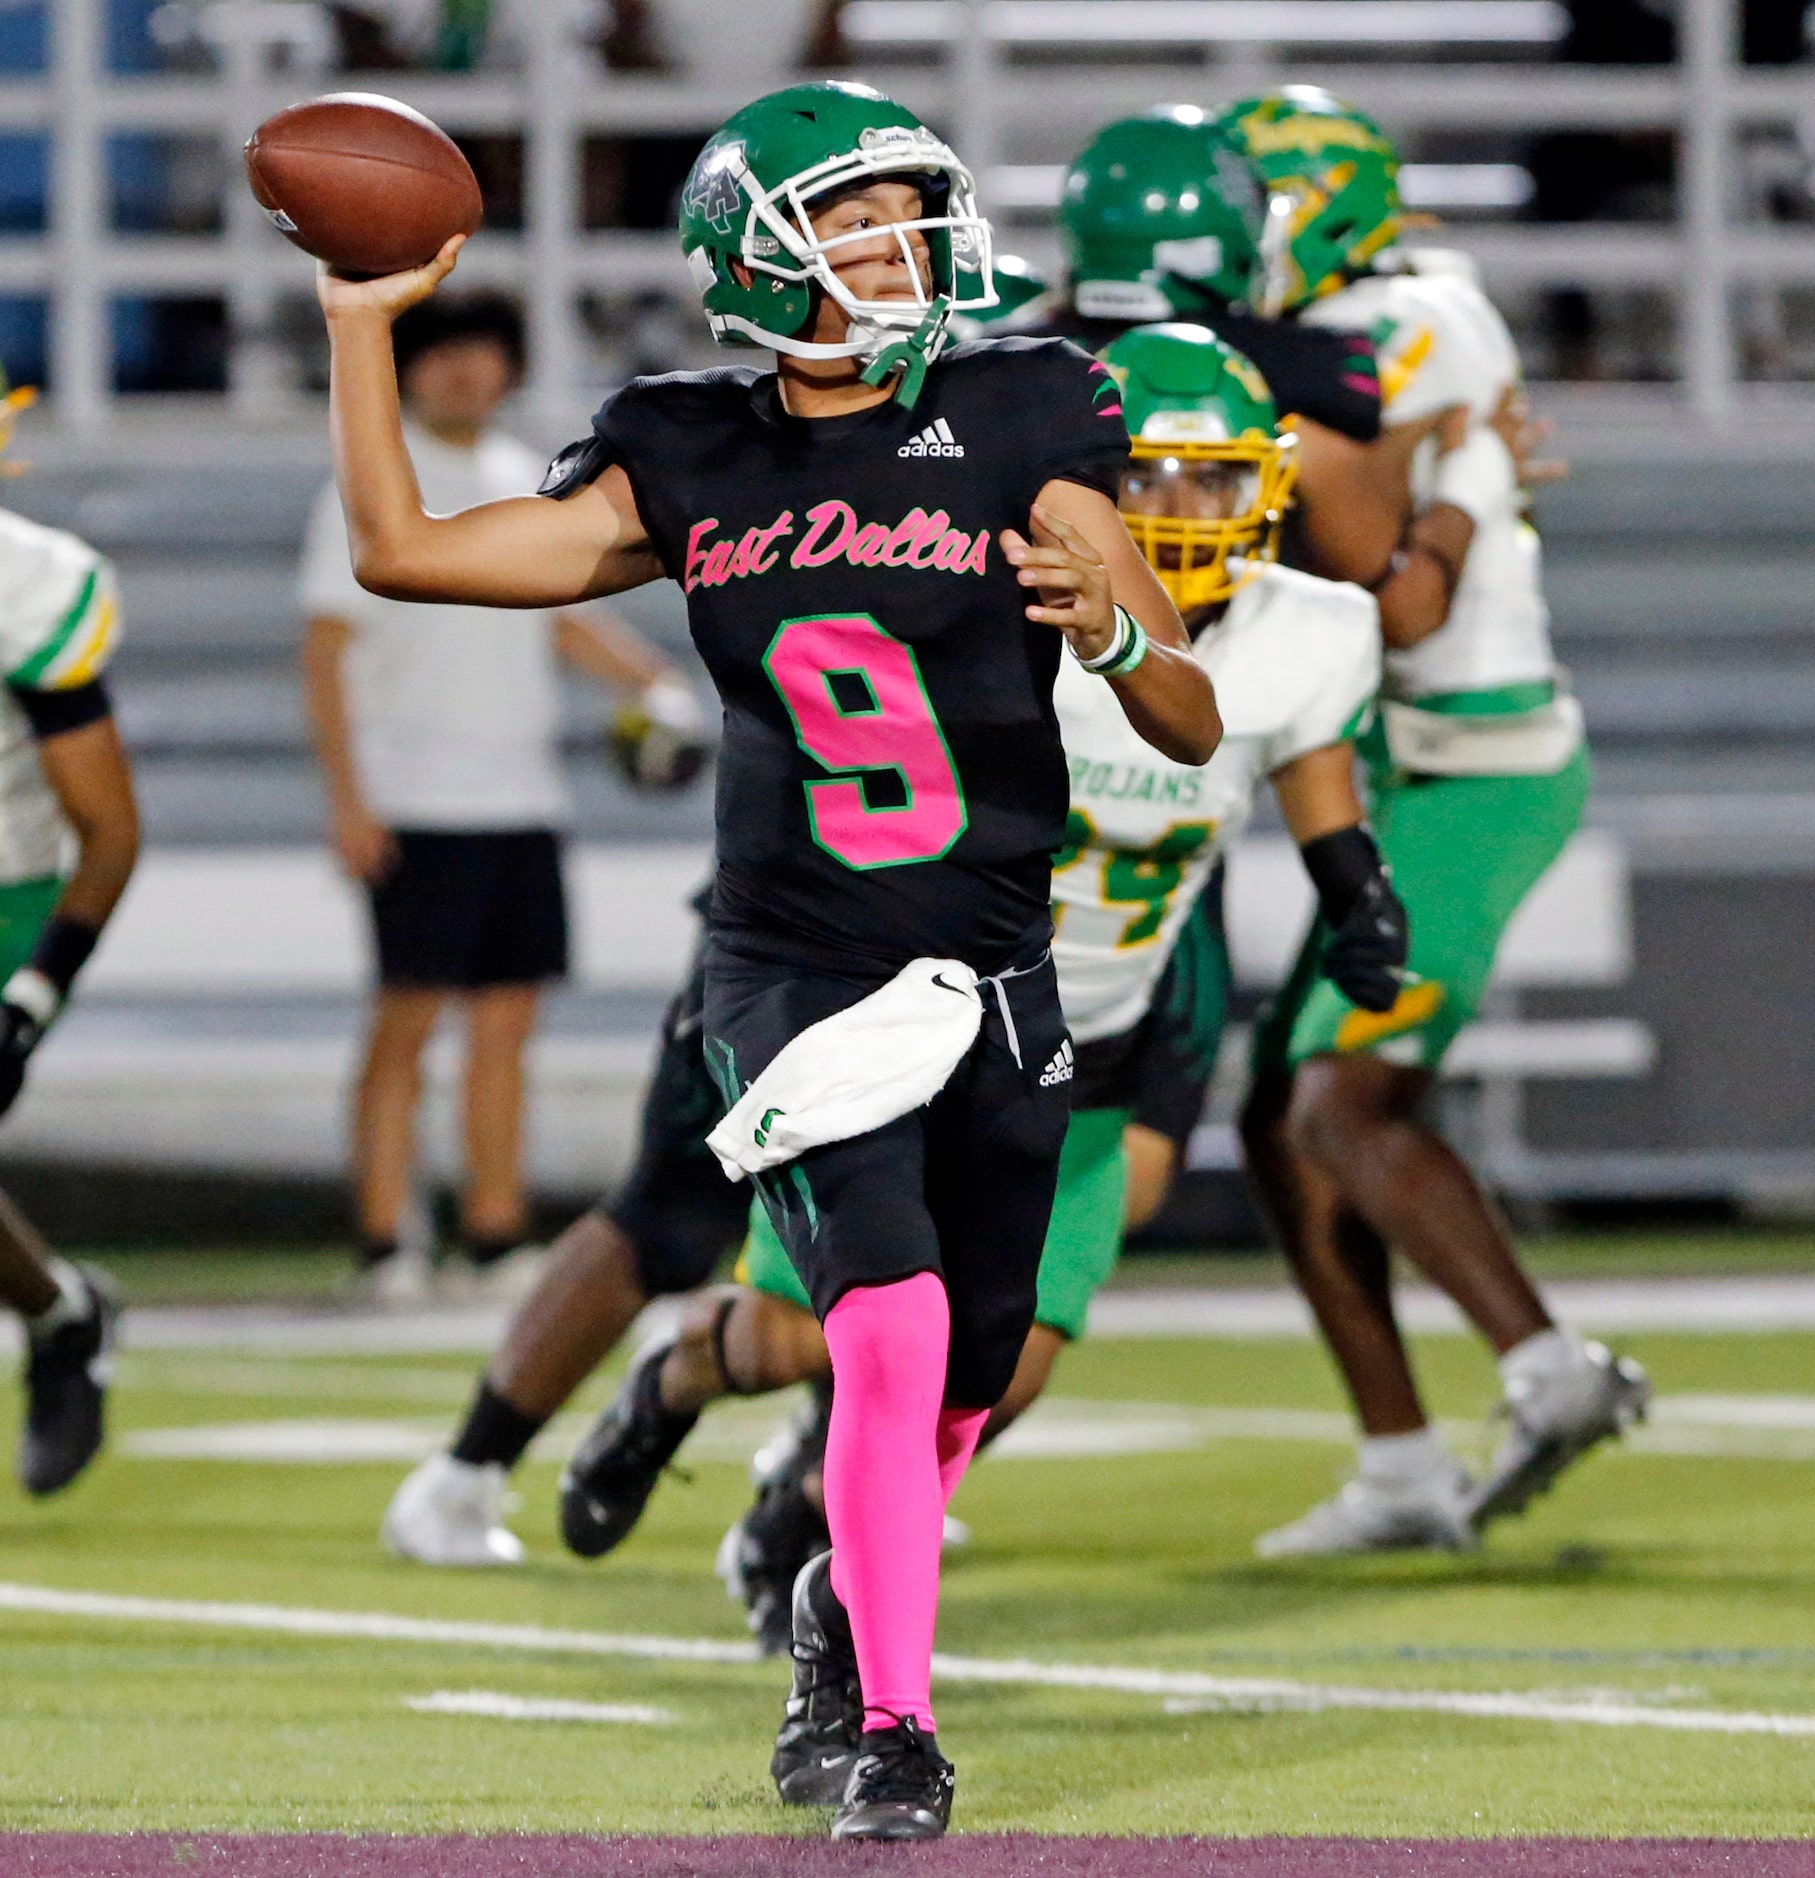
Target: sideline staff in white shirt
(437,732)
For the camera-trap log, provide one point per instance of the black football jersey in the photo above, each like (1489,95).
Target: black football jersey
(1320,373)
(891,782)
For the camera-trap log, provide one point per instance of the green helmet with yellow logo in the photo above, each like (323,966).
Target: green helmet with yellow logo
(1209,476)
(1158,211)
(1332,192)
(746,226)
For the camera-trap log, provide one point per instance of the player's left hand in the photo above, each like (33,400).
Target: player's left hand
(20,1034)
(1366,954)
(1073,582)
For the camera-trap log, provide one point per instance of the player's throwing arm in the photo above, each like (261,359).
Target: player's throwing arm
(519,553)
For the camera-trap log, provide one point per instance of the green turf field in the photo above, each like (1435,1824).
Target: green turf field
(1649,1581)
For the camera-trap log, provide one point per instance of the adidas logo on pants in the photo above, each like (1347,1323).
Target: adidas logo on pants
(1060,1068)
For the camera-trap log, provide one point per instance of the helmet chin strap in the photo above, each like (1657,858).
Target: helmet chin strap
(911,356)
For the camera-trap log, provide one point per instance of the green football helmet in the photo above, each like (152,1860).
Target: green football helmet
(1332,189)
(1156,212)
(747,231)
(1209,476)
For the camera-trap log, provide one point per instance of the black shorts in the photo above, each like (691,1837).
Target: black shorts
(462,911)
(962,1187)
(677,1209)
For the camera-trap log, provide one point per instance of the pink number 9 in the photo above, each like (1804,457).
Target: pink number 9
(857,700)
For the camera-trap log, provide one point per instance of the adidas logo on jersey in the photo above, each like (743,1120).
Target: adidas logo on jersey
(1060,1068)
(935,440)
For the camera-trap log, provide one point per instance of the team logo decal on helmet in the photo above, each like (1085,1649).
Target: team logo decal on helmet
(1331,178)
(746,227)
(1209,476)
(712,195)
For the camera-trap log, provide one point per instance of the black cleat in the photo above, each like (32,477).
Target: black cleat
(66,1380)
(611,1474)
(900,1788)
(817,1746)
(761,1556)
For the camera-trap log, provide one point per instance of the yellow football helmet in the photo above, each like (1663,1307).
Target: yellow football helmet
(1210,476)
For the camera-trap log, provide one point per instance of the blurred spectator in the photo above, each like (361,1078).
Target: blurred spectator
(436,729)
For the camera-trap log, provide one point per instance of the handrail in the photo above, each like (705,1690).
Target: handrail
(1209,22)
(976,91)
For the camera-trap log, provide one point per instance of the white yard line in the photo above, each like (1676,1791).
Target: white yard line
(1619,1307)
(1614,1306)
(372,1626)
(1504,1705)
(1181,1691)
(495,1706)
(1764,1427)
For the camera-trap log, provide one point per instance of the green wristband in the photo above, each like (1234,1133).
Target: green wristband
(1134,647)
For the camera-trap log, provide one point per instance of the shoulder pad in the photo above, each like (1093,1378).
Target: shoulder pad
(1287,640)
(1439,342)
(1032,345)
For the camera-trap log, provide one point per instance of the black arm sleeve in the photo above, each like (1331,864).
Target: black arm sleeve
(51,713)
(1313,371)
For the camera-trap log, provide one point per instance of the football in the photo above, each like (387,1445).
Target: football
(362,182)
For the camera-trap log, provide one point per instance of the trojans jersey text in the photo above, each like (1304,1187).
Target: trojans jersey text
(1296,662)
(890,783)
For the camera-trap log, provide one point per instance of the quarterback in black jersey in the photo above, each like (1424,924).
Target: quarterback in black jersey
(886,548)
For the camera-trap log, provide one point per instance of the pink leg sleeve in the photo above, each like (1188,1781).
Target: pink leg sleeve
(884,1501)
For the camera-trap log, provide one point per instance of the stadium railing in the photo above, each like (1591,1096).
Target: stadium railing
(978,85)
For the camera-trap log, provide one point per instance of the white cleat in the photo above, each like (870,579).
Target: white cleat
(404,1279)
(1555,1419)
(451,1512)
(1429,1515)
(954,1534)
(506,1281)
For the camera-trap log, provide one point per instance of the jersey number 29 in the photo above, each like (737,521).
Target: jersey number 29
(859,705)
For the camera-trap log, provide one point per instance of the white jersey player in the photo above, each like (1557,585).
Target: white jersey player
(1480,775)
(68,841)
(1296,663)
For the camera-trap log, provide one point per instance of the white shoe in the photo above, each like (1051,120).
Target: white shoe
(507,1280)
(451,1512)
(1556,1417)
(1381,1516)
(955,1533)
(405,1278)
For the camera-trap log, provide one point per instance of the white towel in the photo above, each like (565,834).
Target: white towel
(856,1070)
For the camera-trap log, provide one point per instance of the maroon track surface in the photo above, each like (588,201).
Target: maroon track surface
(980,1855)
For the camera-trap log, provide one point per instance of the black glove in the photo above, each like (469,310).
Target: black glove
(1370,936)
(659,741)
(35,993)
(20,1034)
